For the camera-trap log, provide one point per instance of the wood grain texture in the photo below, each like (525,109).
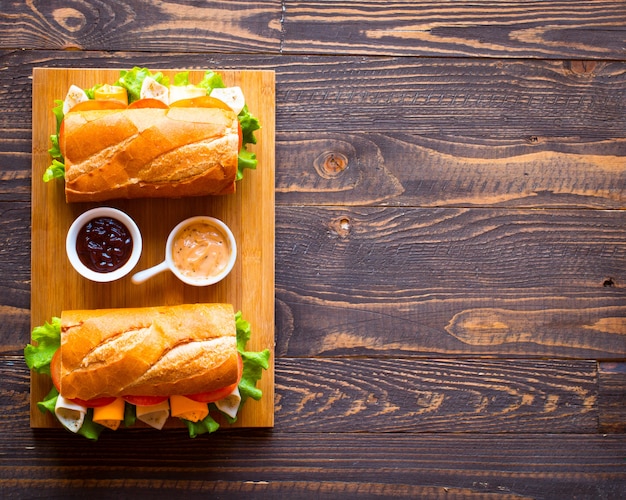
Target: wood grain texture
(611,400)
(464,132)
(410,395)
(450,191)
(592,30)
(377,281)
(143,25)
(488,29)
(249,213)
(468,428)
(436,396)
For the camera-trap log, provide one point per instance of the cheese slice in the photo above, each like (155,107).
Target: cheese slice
(232,96)
(110,415)
(230,404)
(183,407)
(154,415)
(179,92)
(151,89)
(74,96)
(70,414)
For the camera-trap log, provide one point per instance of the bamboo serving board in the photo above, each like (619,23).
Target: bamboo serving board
(249,213)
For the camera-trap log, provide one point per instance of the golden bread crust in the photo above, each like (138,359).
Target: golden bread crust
(149,153)
(151,351)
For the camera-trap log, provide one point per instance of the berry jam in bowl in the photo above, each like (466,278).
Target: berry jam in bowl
(103,244)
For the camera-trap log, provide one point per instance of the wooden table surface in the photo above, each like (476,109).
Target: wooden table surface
(450,262)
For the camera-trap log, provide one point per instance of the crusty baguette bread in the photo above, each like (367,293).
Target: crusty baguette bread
(149,153)
(152,351)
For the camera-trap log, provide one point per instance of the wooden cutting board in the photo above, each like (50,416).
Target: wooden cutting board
(249,213)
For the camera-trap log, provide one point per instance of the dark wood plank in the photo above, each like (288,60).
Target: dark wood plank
(438,396)
(382,281)
(555,29)
(489,29)
(15,272)
(346,395)
(319,465)
(143,25)
(612,396)
(463,132)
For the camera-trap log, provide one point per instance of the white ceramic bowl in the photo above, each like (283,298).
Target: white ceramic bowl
(169,262)
(85,218)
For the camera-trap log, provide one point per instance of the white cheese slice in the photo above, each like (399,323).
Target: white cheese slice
(179,92)
(151,89)
(232,96)
(70,414)
(74,96)
(230,404)
(154,415)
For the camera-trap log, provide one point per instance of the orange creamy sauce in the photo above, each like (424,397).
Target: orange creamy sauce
(200,250)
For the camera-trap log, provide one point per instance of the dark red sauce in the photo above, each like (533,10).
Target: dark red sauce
(104,244)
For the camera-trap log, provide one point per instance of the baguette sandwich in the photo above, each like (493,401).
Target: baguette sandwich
(114,366)
(141,137)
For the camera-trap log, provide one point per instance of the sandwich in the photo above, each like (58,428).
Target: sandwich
(113,367)
(146,137)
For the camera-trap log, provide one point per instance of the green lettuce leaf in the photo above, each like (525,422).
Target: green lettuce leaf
(58,113)
(205,426)
(47,339)
(56,170)
(210,81)
(130,414)
(49,402)
(253,362)
(133,79)
(181,79)
(90,429)
(249,124)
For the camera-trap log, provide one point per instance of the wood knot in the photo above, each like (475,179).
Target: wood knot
(609,282)
(69,19)
(341,226)
(583,67)
(330,164)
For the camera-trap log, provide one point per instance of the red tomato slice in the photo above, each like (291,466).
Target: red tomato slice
(212,396)
(55,368)
(240,134)
(205,101)
(148,102)
(144,400)
(92,105)
(216,395)
(95,402)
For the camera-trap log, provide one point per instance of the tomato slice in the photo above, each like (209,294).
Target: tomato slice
(93,104)
(144,400)
(240,135)
(55,368)
(95,402)
(205,101)
(216,395)
(148,102)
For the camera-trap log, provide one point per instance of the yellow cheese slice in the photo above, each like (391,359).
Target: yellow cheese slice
(110,415)
(188,409)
